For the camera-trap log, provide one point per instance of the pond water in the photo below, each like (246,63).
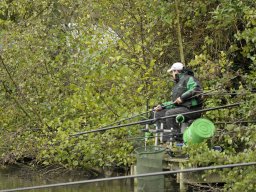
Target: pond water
(16,177)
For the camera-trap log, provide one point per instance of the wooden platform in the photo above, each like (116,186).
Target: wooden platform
(178,162)
(200,177)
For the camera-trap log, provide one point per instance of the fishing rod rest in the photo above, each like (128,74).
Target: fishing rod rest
(159,132)
(154,130)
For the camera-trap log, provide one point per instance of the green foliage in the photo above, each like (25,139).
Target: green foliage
(69,66)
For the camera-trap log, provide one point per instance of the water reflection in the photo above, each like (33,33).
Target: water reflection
(14,178)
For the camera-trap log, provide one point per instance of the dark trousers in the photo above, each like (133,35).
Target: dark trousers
(171,122)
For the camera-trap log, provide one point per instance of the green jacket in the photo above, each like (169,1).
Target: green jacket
(186,87)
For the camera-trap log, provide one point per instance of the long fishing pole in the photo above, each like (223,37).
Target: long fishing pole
(154,120)
(236,122)
(207,93)
(128,118)
(133,176)
(226,93)
(125,119)
(218,93)
(216,123)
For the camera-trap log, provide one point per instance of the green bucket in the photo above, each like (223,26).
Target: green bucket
(200,130)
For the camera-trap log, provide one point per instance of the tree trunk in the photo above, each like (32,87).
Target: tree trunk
(179,33)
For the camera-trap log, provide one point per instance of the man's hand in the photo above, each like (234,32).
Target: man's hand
(178,101)
(158,108)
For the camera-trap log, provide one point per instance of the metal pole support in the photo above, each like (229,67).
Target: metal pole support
(156,134)
(162,133)
(145,138)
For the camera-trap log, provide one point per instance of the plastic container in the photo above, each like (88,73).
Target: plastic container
(200,130)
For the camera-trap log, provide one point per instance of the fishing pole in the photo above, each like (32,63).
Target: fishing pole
(128,118)
(125,119)
(216,123)
(207,93)
(188,170)
(149,121)
(236,122)
(227,93)
(218,93)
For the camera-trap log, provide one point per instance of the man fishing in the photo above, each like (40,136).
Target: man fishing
(186,97)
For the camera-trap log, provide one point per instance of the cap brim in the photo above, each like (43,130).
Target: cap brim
(169,70)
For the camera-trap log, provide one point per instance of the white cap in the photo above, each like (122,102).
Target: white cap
(176,66)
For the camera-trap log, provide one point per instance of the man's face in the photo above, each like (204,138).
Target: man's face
(174,72)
